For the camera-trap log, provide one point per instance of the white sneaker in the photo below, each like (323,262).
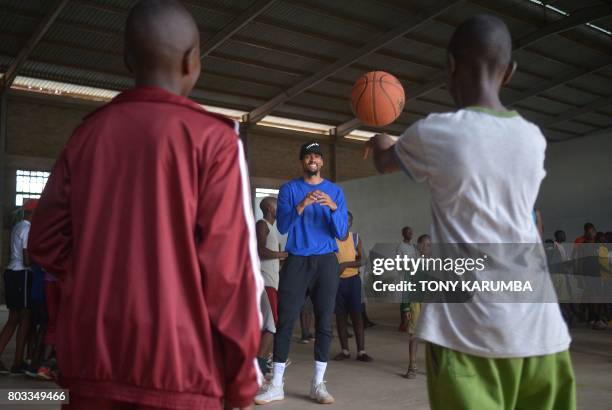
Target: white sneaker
(320,394)
(269,393)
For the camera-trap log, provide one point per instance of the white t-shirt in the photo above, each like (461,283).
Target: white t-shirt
(270,267)
(562,251)
(407,249)
(19,242)
(484,171)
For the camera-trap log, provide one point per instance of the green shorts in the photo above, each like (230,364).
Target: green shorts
(460,381)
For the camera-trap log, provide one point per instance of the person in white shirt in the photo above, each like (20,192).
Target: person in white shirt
(559,244)
(270,254)
(405,248)
(483,165)
(17,284)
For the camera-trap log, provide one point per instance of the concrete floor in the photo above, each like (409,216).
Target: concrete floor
(378,385)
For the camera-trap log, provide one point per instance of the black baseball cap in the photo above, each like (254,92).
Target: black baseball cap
(311,147)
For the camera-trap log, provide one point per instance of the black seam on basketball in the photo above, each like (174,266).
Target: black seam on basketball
(394,85)
(356,103)
(390,100)
(400,88)
(396,82)
(374,116)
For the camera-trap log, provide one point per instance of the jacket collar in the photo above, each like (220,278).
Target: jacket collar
(152,94)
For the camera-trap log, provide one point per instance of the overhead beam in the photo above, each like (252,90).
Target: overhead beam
(577,111)
(578,18)
(530,13)
(581,17)
(601,131)
(270,46)
(346,128)
(378,42)
(257,8)
(555,82)
(24,53)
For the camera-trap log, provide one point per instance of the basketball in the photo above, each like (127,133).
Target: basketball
(377,98)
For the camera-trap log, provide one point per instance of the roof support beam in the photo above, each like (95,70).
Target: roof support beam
(346,128)
(555,82)
(257,8)
(601,131)
(578,18)
(583,16)
(24,53)
(380,41)
(577,111)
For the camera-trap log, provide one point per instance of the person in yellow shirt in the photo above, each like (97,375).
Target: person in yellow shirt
(348,297)
(414,308)
(602,253)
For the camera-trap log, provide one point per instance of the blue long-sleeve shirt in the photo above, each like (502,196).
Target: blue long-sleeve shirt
(313,232)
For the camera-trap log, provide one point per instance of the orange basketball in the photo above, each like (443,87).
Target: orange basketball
(377,98)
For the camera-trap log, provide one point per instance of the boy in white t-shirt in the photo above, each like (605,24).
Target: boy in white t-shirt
(484,165)
(17,285)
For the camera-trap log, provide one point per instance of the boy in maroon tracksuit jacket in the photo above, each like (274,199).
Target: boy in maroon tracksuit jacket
(146,219)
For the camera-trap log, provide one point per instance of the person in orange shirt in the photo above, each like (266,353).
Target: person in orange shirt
(589,234)
(348,297)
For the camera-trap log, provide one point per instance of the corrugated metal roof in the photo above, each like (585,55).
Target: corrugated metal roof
(594,83)
(16,23)
(30,5)
(88,60)
(572,95)
(572,5)
(300,17)
(64,89)
(600,120)
(5,62)
(296,39)
(365,12)
(211,19)
(74,75)
(79,13)
(241,51)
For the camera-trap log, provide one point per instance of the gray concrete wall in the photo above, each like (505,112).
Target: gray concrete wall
(38,127)
(382,205)
(578,186)
(577,189)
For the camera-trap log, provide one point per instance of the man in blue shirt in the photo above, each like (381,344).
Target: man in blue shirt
(313,212)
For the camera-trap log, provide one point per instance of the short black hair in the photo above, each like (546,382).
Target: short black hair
(312,147)
(482,39)
(588,226)
(422,238)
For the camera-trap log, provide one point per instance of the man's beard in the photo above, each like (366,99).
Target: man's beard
(310,172)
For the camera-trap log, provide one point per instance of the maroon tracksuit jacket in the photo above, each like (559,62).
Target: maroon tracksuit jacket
(146,219)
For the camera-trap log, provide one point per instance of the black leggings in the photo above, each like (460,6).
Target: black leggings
(319,274)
